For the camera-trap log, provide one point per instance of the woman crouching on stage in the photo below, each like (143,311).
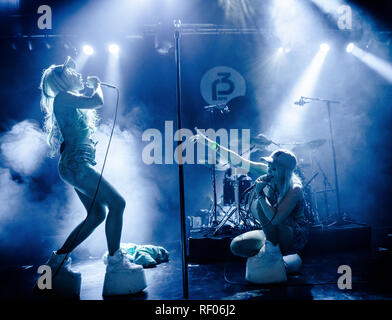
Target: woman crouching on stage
(70,119)
(276,201)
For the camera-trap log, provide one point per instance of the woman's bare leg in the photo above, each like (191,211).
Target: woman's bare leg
(87,226)
(86,182)
(248,244)
(113,226)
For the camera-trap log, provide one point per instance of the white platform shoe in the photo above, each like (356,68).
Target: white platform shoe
(66,282)
(267,266)
(122,277)
(292,262)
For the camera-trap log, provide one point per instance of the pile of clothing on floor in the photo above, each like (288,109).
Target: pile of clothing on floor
(146,255)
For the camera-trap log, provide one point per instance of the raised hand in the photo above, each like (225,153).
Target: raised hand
(92,82)
(196,138)
(261,182)
(203,138)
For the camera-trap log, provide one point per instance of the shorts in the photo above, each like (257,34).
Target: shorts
(301,235)
(76,161)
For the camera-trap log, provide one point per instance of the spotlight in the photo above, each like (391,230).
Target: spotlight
(114,48)
(88,50)
(280,50)
(324,47)
(350,47)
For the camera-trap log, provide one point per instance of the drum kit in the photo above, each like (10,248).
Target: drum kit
(232,208)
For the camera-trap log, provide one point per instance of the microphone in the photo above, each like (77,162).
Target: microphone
(301,101)
(104,84)
(267,179)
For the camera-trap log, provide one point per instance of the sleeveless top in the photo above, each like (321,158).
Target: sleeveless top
(73,124)
(291,234)
(297,215)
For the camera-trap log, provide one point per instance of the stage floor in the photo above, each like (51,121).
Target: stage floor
(317,280)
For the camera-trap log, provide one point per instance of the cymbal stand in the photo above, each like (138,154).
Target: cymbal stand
(324,192)
(313,200)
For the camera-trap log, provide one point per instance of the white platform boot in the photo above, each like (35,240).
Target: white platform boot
(267,266)
(293,263)
(122,277)
(66,282)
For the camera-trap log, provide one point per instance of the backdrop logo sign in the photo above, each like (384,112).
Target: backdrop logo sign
(222,84)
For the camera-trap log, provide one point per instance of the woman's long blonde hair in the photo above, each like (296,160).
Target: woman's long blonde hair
(51,84)
(286,179)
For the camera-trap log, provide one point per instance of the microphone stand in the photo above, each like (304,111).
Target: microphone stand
(340,217)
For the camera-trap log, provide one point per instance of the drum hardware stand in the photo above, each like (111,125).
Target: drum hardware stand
(210,212)
(327,188)
(214,222)
(315,219)
(237,207)
(316,222)
(237,198)
(242,214)
(233,209)
(311,179)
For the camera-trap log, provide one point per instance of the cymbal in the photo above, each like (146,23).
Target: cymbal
(261,139)
(235,170)
(304,165)
(314,144)
(258,146)
(220,166)
(256,149)
(311,145)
